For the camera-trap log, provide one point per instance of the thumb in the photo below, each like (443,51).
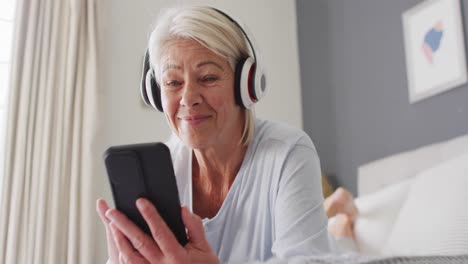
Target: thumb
(194,226)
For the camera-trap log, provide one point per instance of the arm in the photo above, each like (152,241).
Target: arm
(300,219)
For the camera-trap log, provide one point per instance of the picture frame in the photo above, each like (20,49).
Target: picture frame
(434,48)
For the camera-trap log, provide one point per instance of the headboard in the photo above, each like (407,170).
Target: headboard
(375,175)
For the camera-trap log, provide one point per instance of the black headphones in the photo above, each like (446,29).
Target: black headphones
(249,79)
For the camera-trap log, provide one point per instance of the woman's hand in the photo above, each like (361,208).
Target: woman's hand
(131,245)
(341,202)
(342,226)
(341,206)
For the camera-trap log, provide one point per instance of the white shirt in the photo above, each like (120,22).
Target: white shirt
(274,207)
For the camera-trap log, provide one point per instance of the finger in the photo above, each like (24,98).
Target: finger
(159,229)
(352,210)
(140,241)
(341,201)
(346,199)
(127,254)
(101,208)
(121,241)
(345,225)
(331,207)
(194,225)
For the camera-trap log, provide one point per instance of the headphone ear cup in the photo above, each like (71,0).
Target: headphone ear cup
(237,83)
(149,88)
(259,81)
(144,79)
(245,82)
(156,91)
(153,92)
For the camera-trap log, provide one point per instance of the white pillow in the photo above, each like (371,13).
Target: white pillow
(434,219)
(396,168)
(377,213)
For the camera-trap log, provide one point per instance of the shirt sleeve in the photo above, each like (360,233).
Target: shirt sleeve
(300,222)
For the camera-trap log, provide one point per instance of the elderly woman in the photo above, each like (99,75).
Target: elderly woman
(250,188)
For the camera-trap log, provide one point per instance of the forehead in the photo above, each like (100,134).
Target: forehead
(180,52)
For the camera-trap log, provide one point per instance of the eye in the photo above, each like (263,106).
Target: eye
(172,84)
(209,79)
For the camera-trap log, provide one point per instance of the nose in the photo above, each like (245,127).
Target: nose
(191,95)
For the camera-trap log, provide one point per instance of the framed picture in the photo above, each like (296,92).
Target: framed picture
(434,48)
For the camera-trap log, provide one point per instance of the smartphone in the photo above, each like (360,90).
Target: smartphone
(145,170)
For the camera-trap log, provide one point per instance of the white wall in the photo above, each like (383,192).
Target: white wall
(124,30)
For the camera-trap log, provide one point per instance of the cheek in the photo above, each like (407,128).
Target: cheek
(224,106)
(221,105)
(217,102)
(222,99)
(169,104)
(170,112)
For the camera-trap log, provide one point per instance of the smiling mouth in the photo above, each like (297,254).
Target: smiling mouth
(194,120)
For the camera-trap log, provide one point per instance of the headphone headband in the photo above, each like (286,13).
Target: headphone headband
(241,28)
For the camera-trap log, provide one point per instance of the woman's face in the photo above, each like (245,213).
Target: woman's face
(197,94)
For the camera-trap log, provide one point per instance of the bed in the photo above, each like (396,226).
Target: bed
(415,203)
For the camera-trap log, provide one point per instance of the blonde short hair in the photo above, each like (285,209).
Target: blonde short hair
(210,28)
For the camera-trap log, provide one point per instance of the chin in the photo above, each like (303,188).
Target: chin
(195,143)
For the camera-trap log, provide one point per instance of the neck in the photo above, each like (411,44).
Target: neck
(217,167)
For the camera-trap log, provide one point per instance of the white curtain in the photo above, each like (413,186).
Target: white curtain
(47,210)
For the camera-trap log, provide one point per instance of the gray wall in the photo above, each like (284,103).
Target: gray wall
(354,86)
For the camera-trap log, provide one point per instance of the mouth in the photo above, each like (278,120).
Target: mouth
(194,119)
